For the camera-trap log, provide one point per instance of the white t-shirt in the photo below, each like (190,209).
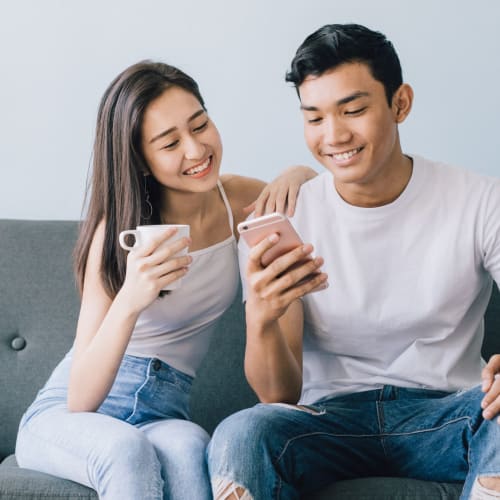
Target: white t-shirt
(409,283)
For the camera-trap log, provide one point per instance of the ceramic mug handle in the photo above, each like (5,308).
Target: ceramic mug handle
(122,236)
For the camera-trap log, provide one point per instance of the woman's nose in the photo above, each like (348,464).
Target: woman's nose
(194,149)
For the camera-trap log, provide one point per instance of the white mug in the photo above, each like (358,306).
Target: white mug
(144,234)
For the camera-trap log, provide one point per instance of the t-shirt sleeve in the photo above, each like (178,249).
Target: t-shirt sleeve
(491,232)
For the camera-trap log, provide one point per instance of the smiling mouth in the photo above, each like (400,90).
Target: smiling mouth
(199,168)
(346,155)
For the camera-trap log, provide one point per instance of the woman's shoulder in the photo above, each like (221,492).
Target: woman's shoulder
(241,191)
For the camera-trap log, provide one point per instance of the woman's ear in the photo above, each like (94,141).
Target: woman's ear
(401,102)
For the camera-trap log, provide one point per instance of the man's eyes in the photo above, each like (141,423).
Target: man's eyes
(314,120)
(202,127)
(357,111)
(349,112)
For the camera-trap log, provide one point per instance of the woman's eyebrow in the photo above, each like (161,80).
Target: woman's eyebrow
(171,129)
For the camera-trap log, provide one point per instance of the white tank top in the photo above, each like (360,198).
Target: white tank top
(177,328)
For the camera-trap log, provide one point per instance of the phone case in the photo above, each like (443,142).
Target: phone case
(255,230)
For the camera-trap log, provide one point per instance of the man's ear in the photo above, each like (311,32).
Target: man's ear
(401,102)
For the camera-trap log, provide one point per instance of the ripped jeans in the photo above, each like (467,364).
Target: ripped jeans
(279,451)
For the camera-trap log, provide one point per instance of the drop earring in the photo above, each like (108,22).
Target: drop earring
(147,201)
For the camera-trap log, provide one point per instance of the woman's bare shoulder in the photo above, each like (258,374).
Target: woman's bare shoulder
(241,191)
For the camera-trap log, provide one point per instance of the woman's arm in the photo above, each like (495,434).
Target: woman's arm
(105,325)
(280,195)
(246,194)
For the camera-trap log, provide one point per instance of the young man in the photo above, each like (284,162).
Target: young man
(389,363)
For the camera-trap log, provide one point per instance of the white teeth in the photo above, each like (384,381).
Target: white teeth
(347,155)
(199,168)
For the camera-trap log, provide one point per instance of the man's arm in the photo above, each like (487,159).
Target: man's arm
(274,317)
(273,356)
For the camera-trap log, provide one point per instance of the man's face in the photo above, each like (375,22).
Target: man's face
(350,127)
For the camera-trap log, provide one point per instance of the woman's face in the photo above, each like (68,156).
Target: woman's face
(180,143)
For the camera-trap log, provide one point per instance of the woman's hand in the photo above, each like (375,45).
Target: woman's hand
(273,288)
(151,267)
(280,195)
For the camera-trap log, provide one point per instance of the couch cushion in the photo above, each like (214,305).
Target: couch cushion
(25,484)
(38,312)
(389,488)
(220,388)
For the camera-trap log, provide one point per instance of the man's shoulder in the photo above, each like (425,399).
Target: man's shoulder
(447,181)
(316,185)
(452,172)
(314,199)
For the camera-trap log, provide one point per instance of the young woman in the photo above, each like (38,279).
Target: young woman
(114,413)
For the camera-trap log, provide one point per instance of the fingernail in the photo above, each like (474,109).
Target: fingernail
(273,238)
(487,414)
(484,404)
(484,386)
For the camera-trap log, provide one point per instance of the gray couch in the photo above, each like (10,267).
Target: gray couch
(38,312)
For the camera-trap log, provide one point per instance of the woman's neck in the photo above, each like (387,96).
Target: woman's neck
(188,208)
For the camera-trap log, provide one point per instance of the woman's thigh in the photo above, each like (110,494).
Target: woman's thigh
(75,446)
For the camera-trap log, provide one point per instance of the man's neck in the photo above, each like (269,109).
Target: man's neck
(382,192)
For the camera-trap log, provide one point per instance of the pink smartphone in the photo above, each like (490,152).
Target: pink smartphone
(255,230)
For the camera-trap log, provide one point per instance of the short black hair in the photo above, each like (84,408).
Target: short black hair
(336,44)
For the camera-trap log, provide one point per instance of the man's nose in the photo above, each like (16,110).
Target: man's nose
(336,132)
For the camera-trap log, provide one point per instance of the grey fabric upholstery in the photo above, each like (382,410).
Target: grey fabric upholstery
(38,312)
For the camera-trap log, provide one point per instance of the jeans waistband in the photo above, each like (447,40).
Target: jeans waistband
(389,393)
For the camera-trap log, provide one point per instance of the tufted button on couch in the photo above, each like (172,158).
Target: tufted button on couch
(38,313)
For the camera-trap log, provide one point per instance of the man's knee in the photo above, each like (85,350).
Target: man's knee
(224,489)
(244,428)
(485,488)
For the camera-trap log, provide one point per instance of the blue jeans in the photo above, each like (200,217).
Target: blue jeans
(138,445)
(280,451)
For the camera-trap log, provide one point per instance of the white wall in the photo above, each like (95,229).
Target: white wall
(58,56)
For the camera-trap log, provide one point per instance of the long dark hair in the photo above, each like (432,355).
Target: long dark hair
(118,181)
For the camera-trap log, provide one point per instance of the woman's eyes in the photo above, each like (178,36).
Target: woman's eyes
(173,144)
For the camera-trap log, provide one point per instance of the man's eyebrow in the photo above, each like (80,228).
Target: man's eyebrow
(340,102)
(171,129)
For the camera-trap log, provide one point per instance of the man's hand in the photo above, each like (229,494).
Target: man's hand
(273,288)
(491,386)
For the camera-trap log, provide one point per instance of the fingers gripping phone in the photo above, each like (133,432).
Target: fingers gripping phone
(255,230)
